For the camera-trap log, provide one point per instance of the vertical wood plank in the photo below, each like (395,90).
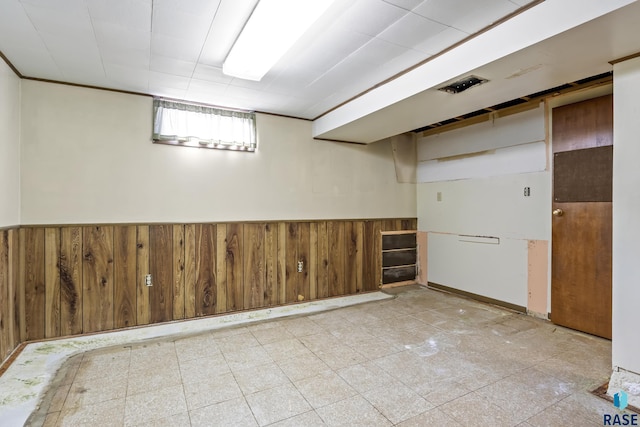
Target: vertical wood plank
(70,271)
(377,252)
(189,271)
(323,261)
(124,276)
(97,282)
(205,269)
(14,288)
(409,224)
(335,231)
(235,283)
(388,225)
(32,266)
(313,261)
(142,300)
(282,263)
(178,272)
(304,250)
(5,302)
(271,264)
(161,269)
(254,265)
(52,282)
(371,258)
(221,268)
(291,262)
(353,253)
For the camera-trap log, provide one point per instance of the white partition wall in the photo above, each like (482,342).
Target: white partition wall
(626,230)
(472,183)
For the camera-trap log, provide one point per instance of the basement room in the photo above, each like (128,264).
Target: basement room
(323,212)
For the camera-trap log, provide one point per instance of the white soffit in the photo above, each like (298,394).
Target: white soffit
(559,40)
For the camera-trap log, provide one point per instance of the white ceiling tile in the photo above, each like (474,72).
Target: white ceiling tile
(205,7)
(157,79)
(409,29)
(36,62)
(69,22)
(137,58)
(169,65)
(210,74)
(378,51)
(60,5)
(16,28)
(441,41)
(203,86)
(182,25)
(114,36)
(167,92)
(128,77)
(131,14)
(174,48)
(464,15)
(227,24)
(370,17)
(404,4)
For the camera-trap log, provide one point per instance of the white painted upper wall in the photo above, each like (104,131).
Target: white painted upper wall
(492,202)
(9,147)
(626,211)
(88,158)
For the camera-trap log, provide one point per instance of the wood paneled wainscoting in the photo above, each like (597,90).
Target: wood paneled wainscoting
(9,292)
(91,278)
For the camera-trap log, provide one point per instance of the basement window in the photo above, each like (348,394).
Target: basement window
(193,125)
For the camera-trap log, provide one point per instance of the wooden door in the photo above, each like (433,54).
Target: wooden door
(581,225)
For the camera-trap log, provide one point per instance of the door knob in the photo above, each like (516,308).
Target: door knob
(558,212)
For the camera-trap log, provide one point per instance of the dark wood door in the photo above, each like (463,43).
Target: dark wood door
(581,225)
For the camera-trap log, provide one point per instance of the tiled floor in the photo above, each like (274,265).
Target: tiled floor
(424,358)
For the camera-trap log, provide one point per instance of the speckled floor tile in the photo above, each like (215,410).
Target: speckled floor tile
(277,404)
(234,412)
(355,411)
(155,404)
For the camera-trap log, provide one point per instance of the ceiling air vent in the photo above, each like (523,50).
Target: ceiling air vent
(463,84)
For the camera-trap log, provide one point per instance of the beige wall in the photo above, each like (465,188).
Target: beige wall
(88,158)
(9,147)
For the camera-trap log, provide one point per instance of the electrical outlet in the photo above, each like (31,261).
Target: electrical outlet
(300,266)
(147,280)
(439,196)
(527,191)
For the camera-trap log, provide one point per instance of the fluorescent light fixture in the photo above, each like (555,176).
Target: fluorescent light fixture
(274,26)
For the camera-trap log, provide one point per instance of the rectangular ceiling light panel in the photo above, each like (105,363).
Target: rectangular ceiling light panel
(274,26)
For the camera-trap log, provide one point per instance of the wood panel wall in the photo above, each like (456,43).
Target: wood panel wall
(83,279)
(10,303)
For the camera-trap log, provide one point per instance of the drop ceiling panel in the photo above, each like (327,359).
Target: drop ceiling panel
(409,29)
(370,17)
(171,65)
(463,15)
(441,41)
(173,47)
(71,22)
(131,15)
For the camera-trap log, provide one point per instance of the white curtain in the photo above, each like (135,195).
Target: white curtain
(176,121)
